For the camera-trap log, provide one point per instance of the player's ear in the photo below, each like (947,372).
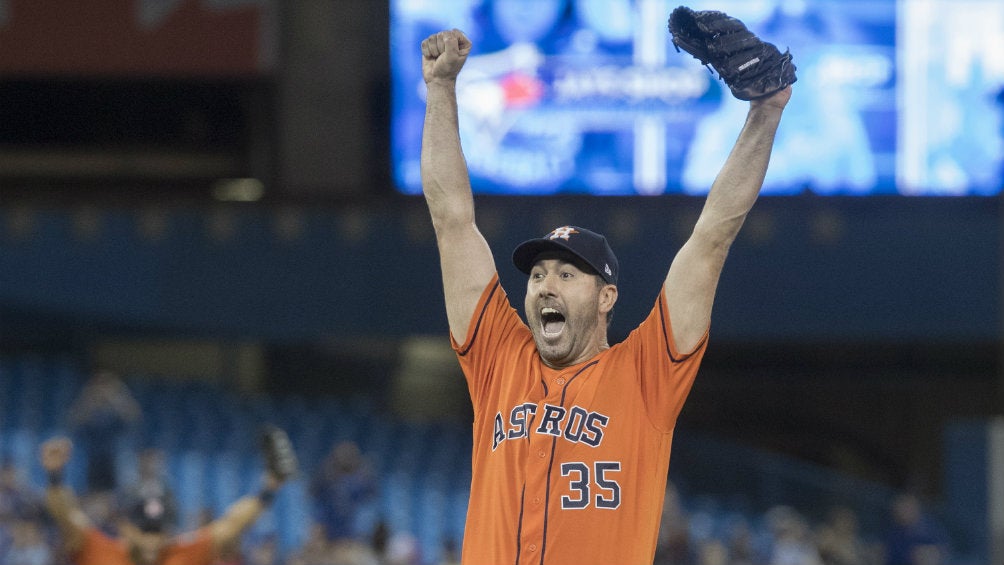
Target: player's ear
(608,297)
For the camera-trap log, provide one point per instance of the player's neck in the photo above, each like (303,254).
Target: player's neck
(584,357)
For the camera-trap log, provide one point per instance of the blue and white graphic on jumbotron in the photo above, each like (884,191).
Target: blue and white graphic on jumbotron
(589,96)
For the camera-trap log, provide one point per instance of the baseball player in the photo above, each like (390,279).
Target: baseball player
(146,536)
(572,436)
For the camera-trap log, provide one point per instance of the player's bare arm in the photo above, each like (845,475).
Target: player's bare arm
(60,501)
(693,277)
(465,258)
(240,515)
(281,463)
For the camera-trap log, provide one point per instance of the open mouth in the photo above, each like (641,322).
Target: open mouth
(551,321)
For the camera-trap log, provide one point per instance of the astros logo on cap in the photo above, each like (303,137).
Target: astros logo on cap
(562,232)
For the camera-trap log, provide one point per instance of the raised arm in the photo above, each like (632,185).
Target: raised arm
(280,464)
(693,277)
(60,501)
(465,258)
(239,516)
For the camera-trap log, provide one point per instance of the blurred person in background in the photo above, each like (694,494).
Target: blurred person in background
(22,540)
(28,545)
(151,482)
(451,553)
(314,550)
(712,552)
(914,537)
(17,500)
(264,552)
(318,550)
(741,543)
(402,549)
(145,534)
(673,545)
(152,476)
(341,488)
(792,543)
(103,413)
(838,540)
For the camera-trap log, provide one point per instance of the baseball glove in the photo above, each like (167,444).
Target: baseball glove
(280,459)
(750,67)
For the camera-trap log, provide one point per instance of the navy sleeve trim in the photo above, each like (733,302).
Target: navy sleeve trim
(665,330)
(481,316)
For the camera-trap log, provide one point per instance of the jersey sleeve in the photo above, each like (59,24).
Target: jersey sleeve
(495,332)
(665,375)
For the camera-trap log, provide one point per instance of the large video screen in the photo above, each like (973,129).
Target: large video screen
(590,96)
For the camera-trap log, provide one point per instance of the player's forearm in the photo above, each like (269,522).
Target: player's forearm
(737,186)
(60,502)
(445,181)
(238,517)
(62,506)
(245,511)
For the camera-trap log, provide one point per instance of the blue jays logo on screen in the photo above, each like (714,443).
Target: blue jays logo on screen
(589,96)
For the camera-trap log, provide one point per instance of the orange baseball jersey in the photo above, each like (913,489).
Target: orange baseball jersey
(569,465)
(99,549)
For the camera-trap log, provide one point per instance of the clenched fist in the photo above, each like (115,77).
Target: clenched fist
(55,453)
(444,54)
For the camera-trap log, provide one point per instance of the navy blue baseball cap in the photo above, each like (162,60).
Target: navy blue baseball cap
(589,246)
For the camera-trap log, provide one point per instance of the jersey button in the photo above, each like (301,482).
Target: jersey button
(532,547)
(536,500)
(559,381)
(542,454)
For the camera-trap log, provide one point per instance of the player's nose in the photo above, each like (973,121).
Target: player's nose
(547,286)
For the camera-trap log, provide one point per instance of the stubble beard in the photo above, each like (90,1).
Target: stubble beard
(561,353)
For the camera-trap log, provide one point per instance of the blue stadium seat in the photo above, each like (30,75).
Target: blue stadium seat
(225,482)
(189,470)
(30,379)
(293,512)
(397,501)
